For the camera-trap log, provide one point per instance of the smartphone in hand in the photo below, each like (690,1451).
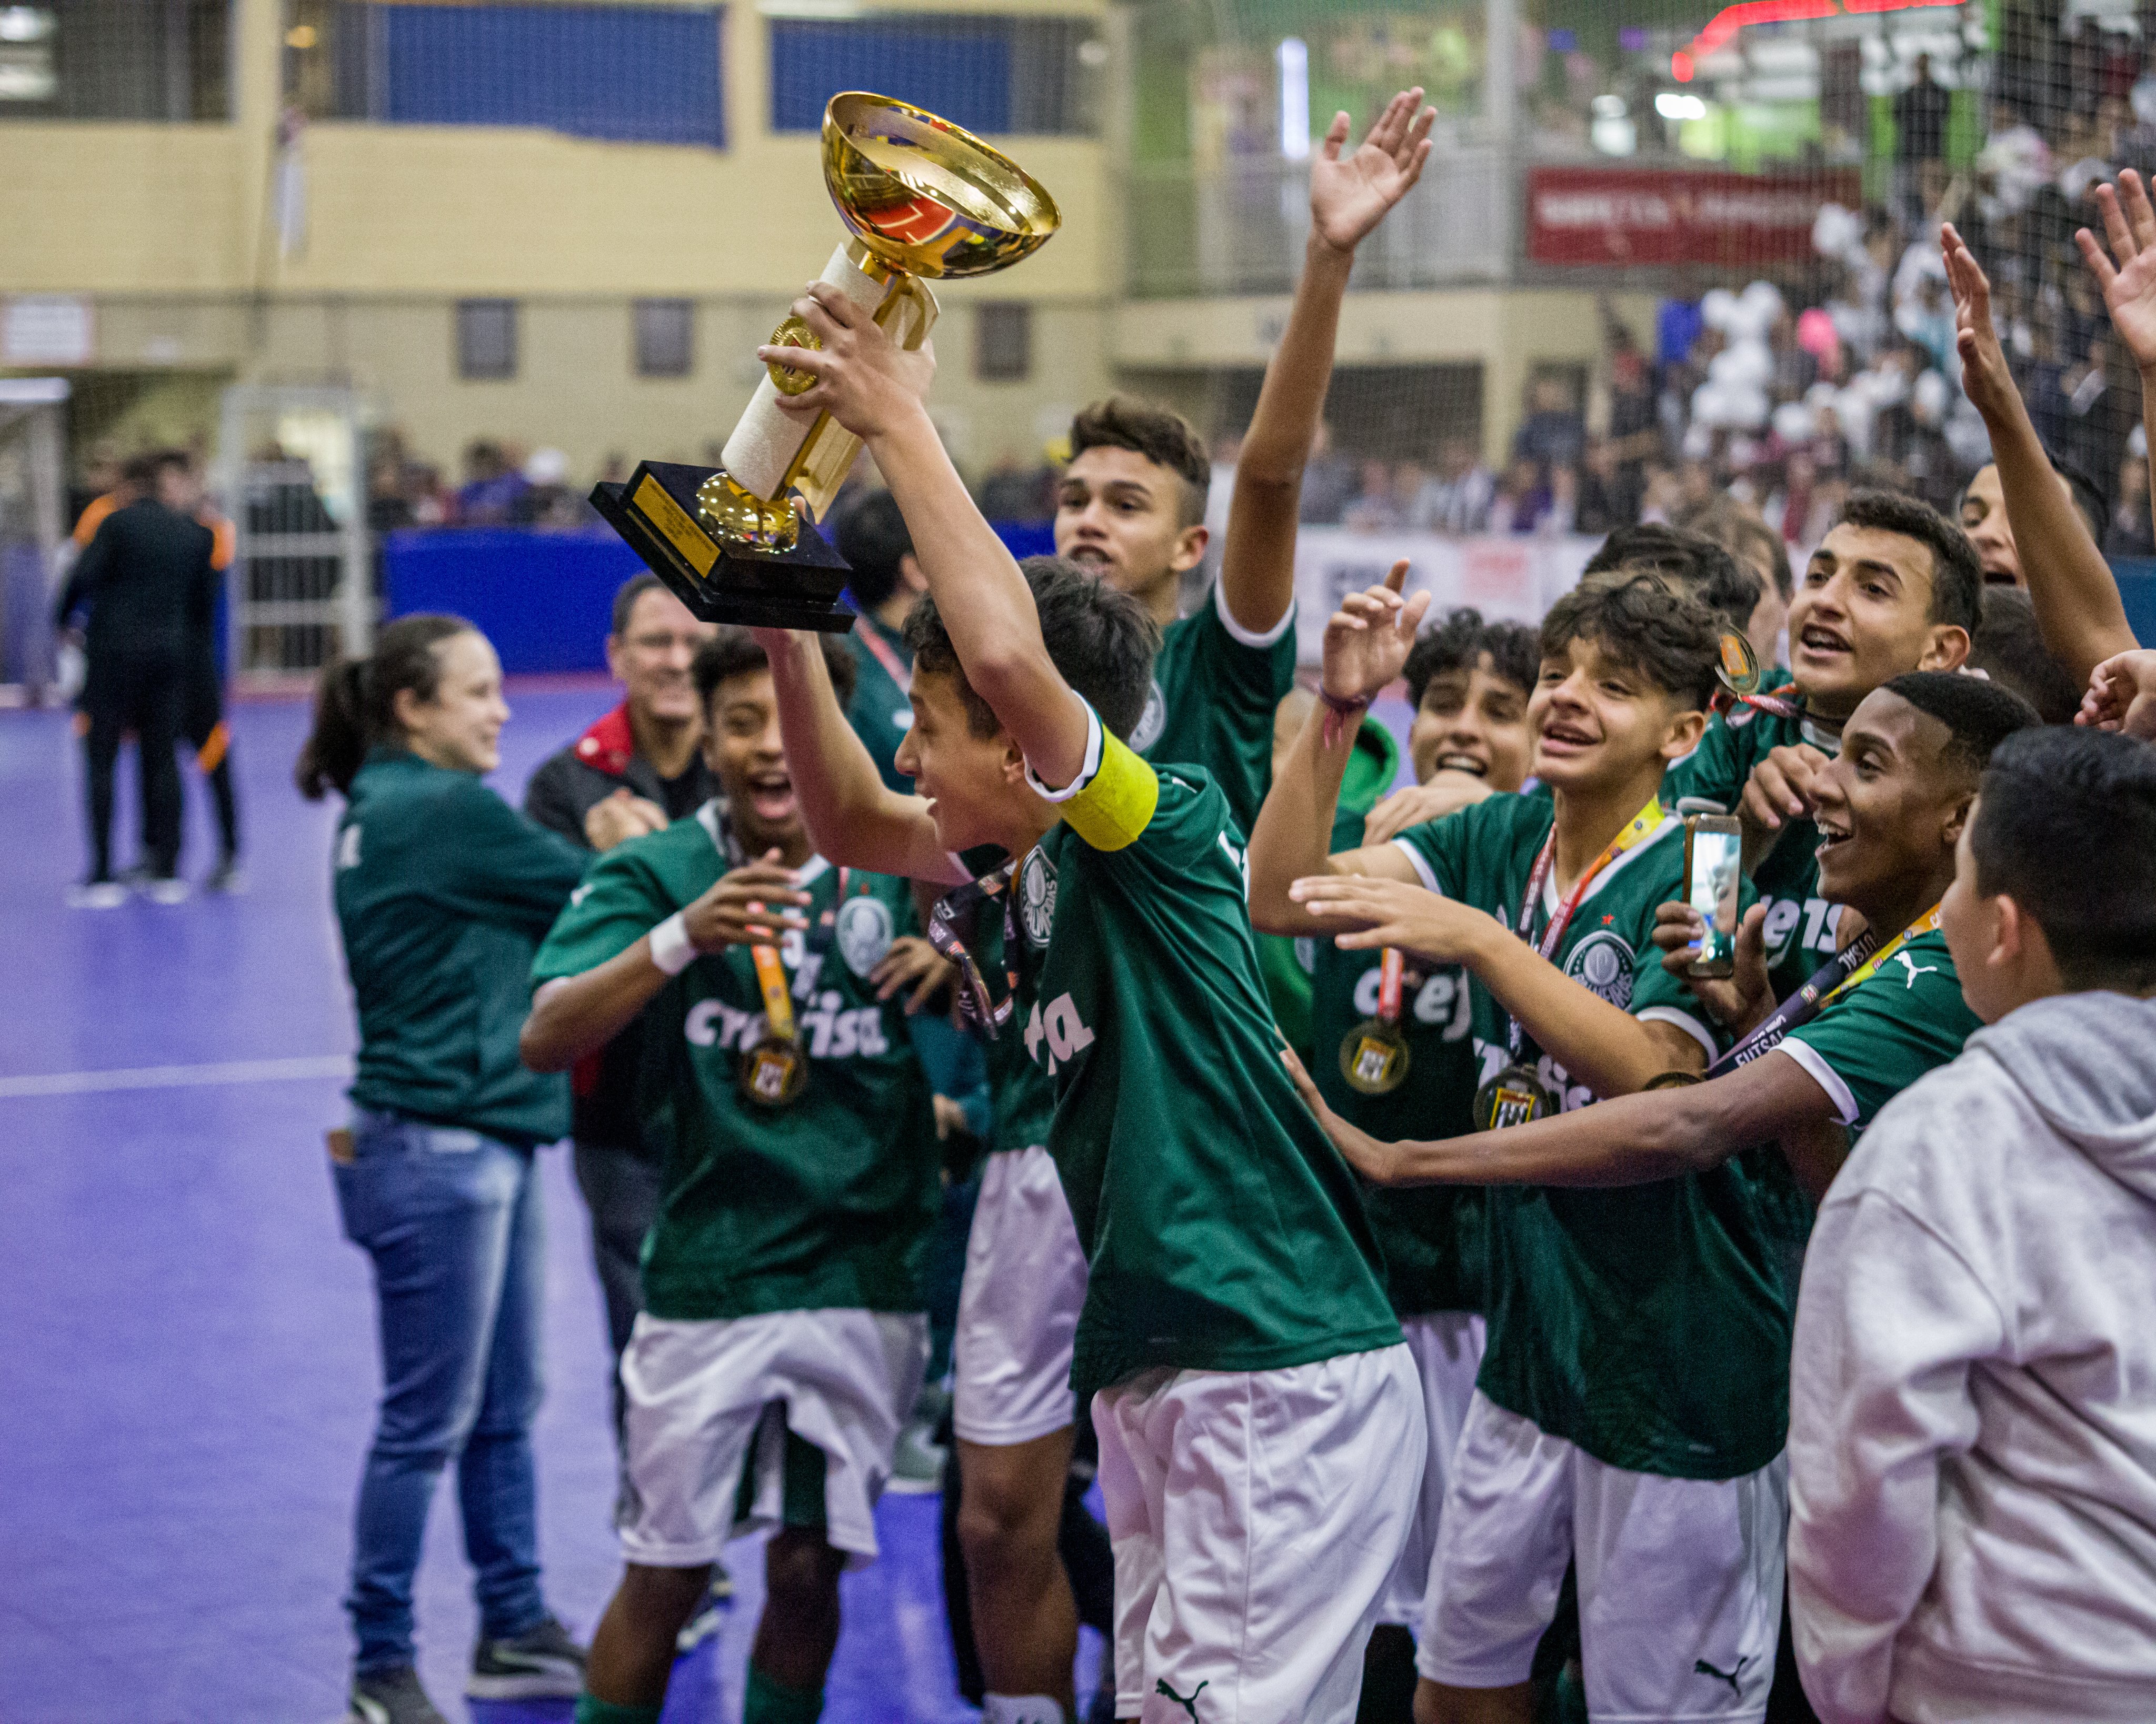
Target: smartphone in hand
(1713,846)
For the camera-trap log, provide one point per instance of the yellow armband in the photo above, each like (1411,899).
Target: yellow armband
(1117,805)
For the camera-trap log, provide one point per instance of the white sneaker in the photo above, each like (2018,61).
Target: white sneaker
(167,889)
(96,894)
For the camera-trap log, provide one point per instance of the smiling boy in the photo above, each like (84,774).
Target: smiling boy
(1891,807)
(782,1343)
(1234,1337)
(1597,1302)
(1893,588)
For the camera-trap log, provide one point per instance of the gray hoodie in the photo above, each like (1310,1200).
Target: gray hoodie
(1973,1395)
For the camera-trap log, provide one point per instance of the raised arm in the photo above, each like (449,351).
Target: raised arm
(1366,642)
(876,391)
(1633,1140)
(856,819)
(1349,195)
(2078,612)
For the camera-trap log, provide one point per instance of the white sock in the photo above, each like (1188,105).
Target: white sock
(1020,1709)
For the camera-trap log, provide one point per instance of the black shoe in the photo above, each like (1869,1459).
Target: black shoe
(392,1696)
(542,1663)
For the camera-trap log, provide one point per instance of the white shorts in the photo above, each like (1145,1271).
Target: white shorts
(696,1394)
(1018,1307)
(1679,1580)
(1255,1517)
(1447,1347)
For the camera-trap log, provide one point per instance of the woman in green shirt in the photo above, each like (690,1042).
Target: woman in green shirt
(443,894)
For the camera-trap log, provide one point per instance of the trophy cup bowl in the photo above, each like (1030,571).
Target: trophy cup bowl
(921,198)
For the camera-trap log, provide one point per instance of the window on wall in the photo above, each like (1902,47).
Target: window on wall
(114,60)
(486,340)
(665,339)
(635,73)
(988,73)
(1003,341)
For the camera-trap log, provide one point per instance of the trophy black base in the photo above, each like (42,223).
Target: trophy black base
(655,511)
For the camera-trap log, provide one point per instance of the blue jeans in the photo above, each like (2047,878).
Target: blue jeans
(453,1223)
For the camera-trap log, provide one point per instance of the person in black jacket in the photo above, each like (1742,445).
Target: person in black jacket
(637,770)
(148,581)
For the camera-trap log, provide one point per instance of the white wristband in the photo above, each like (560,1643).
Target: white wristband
(671,948)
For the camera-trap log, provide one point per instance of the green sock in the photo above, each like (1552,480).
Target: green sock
(769,1702)
(591,1709)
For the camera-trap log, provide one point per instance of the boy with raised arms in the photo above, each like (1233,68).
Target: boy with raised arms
(1235,1336)
(1599,1305)
(782,1341)
(1894,587)
(1130,508)
(1892,806)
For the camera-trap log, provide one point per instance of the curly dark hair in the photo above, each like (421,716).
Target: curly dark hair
(1163,437)
(1101,641)
(1648,624)
(1458,642)
(733,652)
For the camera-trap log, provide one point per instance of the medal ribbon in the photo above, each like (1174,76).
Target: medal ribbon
(1642,825)
(777,999)
(1391,968)
(1856,962)
(895,668)
(974,1001)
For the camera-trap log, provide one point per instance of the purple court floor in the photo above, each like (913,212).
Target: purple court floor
(188,1366)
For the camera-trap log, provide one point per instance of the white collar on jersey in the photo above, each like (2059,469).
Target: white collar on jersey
(1671,822)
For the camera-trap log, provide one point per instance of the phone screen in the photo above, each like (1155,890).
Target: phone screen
(1715,857)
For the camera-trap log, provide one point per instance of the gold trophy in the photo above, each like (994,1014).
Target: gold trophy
(922,198)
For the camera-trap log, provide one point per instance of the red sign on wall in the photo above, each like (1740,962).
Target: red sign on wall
(1651,215)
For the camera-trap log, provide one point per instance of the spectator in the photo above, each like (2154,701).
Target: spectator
(1456,499)
(493,487)
(148,581)
(1972,1461)
(1601,500)
(1375,509)
(1554,435)
(1013,492)
(1920,140)
(1523,499)
(2132,533)
(546,499)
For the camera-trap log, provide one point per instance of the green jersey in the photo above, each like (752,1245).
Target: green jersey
(1215,688)
(1223,1229)
(1648,1324)
(1289,964)
(1431,1234)
(1871,1043)
(826,1203)
(879,713)
(443,891)
(1801,924)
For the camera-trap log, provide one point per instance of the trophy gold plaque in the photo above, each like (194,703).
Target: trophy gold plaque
(921,198)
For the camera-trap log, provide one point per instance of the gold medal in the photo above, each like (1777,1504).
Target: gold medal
(1513,1097)
(1738,670)
(774,1071)
(1374,1057)
(774,1074)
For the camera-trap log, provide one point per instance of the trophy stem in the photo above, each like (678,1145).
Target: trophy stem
(771,453)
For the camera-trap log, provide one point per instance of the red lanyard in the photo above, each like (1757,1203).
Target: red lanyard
(895,667)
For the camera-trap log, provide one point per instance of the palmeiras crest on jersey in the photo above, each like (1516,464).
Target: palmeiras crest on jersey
(864,931)
(1152,721)
(1601,963)
(1036,897)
